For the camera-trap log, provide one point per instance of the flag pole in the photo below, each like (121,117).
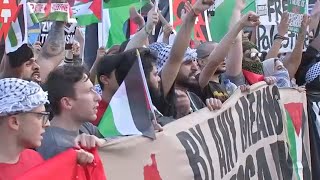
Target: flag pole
(146,85)
(140,7)
(103,27)
(156,3)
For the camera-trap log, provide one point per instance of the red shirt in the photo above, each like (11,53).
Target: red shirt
(101,109)
(64,166)
(27,160)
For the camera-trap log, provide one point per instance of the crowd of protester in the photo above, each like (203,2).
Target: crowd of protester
(181,80)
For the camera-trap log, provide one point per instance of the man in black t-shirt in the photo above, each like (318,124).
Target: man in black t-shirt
(211,58)
(214,89)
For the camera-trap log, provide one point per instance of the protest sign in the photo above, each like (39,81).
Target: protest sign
(270,13)
(265,38)
(51,11)
(260,135)
(69,31)
(296,9)
(201,31)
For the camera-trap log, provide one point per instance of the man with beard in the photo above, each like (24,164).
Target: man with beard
(177,68)
(180,101)
(21,64)
(149,63)
(186,101)
(163,52)
(149,60)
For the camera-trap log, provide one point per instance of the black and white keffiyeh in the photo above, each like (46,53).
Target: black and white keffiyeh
(157,46)
(17,95)
(163,52)
(313,73)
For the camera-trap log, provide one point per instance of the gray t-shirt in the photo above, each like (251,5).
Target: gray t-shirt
(56,140)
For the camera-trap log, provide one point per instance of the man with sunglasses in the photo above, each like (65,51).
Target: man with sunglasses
(251,57)
(252,67)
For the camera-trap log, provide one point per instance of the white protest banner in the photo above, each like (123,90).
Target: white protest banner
(260,135)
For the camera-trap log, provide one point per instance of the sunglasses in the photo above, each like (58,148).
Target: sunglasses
(253,56)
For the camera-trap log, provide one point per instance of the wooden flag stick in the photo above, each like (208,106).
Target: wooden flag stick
(156,3)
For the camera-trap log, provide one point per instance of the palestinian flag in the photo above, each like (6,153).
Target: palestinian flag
(117,3)
(115,15)
(295,119)
(87,12)
(130,111)
(112,13)
(18,33)
(9,12)
(52,11)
